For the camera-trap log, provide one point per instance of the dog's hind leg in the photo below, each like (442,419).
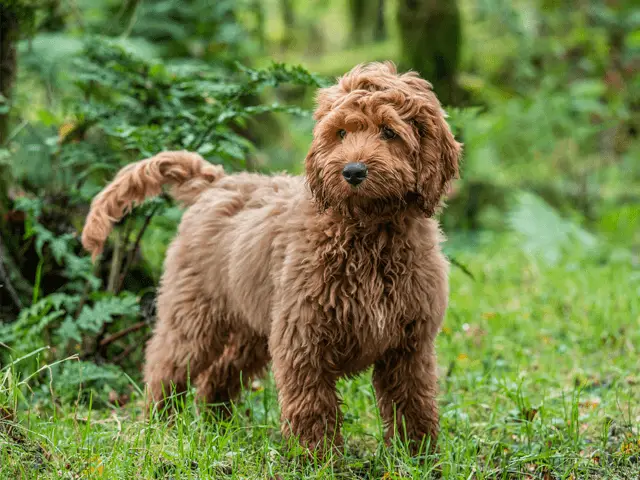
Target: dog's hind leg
(245,357)
(191,332)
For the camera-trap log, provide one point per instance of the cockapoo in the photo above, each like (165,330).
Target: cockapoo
(323,275)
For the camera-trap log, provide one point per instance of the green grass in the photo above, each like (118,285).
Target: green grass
(539,378)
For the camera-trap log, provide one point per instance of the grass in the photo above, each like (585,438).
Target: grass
(539,379)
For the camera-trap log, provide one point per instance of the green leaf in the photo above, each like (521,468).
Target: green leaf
(92,318)
(543,231)
(69,330)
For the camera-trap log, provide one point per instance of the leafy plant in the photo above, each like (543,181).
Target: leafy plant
(544,233)
(125,108)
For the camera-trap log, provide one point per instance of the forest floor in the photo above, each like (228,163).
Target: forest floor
(540,378)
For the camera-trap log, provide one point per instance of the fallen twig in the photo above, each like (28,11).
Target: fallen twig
(115,336)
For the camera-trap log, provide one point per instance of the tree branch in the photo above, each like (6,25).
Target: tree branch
(136,246)
(126,331)
(116,264)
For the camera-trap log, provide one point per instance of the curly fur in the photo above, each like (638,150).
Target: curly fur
(322,278)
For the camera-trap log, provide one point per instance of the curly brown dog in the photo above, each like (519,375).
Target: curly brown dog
(325,277)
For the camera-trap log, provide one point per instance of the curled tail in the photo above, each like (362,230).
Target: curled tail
(188,173)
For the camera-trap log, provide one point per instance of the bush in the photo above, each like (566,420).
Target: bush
(125,108)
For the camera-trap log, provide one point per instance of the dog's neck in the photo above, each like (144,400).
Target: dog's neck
(394,219)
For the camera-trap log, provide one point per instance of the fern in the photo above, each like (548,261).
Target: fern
(33,320)
(149,106)
(62,247)
(543,231)
(123,107)
(55,313)
(92,318)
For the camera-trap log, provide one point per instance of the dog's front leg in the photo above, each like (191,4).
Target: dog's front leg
(405,380)
(310,409)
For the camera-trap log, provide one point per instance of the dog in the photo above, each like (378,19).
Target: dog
(323,276)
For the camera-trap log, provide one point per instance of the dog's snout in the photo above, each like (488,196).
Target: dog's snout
(355,173)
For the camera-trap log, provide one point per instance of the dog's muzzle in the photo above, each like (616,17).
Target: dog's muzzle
(355,173)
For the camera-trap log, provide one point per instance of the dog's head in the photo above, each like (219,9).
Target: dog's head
(381,141)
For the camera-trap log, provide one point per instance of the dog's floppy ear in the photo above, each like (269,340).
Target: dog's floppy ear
(438,159)
(439,154)
(313,174)
(326,98)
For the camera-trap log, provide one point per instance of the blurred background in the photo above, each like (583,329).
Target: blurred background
(545,96)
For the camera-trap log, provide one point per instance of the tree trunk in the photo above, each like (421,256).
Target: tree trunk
(8,65)
(431,38)
(10,277)
(289,19)
(54,20)
(359,21)
(261,20)
(380,30)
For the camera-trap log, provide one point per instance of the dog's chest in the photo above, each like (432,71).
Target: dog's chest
(367,299)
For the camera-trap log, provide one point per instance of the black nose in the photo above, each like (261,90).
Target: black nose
(355,173)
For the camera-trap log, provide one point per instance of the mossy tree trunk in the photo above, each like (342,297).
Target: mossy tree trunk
(380,29)
(9,34)
(367,21)
(261,21)
(289,21)
(14,17)
(54,18)
(8,65)
(431,36)
(359,21)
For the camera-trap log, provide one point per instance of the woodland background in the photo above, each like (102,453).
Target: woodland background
(540,351)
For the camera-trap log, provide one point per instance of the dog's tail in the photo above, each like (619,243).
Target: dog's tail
(188,174)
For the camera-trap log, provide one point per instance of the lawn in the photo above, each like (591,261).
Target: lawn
(539,378)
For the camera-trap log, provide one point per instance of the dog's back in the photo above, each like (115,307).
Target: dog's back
(235,237)
(231,237)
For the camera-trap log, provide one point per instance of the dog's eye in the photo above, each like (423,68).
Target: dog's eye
(342,133)
(387,134)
